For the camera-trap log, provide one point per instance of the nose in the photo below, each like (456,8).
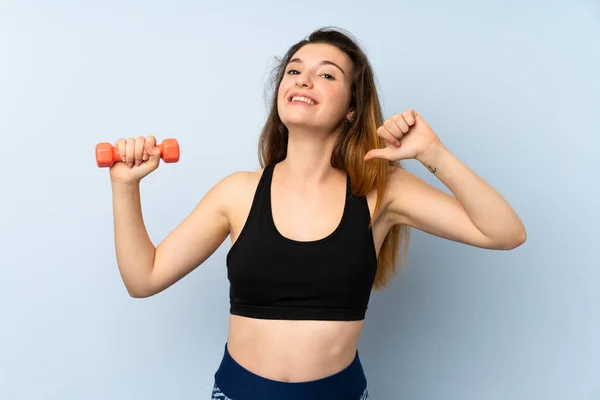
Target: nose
(303,81)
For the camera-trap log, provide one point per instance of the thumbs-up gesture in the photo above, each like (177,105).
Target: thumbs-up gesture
(407,135)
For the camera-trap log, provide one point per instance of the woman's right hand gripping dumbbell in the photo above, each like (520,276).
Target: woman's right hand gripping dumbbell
(140,156)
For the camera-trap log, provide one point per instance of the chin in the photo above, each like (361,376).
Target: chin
(296,120)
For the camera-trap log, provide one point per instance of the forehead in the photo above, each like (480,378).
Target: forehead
(316,52)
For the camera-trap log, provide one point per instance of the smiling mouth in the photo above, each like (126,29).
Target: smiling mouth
(302,99)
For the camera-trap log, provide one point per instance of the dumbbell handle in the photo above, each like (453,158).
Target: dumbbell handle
(107,154)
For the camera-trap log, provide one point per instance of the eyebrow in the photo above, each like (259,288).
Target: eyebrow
(324,62)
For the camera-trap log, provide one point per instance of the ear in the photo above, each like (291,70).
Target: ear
(350,115)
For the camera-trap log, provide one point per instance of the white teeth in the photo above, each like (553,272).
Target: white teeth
(304,99)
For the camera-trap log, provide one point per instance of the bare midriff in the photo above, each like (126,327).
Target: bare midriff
(293,351)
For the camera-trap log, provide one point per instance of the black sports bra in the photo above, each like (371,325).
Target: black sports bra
(274,277)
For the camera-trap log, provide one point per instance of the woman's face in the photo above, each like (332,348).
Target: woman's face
(315,89)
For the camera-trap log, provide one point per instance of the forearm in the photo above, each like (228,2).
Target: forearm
(134,249)
(486,208)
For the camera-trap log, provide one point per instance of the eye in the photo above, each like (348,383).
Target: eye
(290,71)
(330,77)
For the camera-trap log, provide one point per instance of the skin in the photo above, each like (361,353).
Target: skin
(307,204)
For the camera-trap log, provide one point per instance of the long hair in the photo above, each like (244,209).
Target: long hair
(354,141)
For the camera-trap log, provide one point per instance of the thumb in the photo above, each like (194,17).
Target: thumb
(379,153)
(153,151)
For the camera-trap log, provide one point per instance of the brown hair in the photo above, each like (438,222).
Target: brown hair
(355,140)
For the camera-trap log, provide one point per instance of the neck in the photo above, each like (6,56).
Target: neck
(309,155)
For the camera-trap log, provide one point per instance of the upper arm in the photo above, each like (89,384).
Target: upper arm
(413,202)
(197,237)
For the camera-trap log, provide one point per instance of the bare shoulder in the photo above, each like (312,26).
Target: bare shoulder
(239,181)
(400,182)
(404,192)
(400,178)
(397,178)
(237,190)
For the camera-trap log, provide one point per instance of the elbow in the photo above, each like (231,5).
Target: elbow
(138,294)
(139,291)
(520,237)
(513,241)
(138,281)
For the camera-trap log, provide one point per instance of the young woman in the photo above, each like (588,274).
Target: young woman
(315,229)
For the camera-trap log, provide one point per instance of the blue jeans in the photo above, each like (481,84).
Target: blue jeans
(234,382)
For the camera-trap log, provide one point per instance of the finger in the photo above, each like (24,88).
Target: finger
(409,117)
(402,124)
(120,145)
(139,149)
(151,139)
(130,152)
(383,133)
(394,129)
(149,145)
(419,119)
(154,152)
(146,152)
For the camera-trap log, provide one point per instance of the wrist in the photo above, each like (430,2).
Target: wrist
(125,185)
(431,154)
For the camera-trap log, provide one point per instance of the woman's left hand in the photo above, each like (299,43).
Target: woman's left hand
(407,135)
